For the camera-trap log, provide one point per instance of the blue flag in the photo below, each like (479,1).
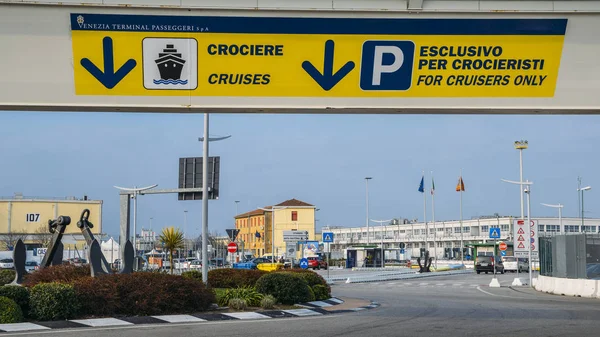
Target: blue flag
(422,185)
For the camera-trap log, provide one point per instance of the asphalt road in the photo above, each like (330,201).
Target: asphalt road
(460,305)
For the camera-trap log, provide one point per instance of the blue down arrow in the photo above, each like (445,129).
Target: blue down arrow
(328,79)
(109,78)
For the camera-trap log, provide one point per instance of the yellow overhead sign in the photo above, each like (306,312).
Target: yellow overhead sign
(133,55)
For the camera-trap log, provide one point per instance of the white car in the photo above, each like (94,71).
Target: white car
(510,264)
(195,264)
(7,264)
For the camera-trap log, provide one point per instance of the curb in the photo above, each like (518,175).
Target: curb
(309,309)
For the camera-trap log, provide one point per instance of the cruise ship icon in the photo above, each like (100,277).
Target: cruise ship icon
(170,65)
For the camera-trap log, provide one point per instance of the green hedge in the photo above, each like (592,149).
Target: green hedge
(287,288)
(313,279)
(234,278)
(18,294)
(10,312)
(53,301)
(6,276)
(321,292)
(193,274)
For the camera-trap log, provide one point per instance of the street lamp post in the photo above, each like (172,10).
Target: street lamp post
(559,206)
(206,139)
(381,222)
(367,185)
(587,188)
(528,191)
(135,191)
(185,232)
(273,209)
(521,145)
(517,281)
(236,207)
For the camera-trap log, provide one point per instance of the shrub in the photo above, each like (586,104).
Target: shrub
(248,294)
(321,292)
(237,304)
(312,279)
(96,295)
(18,294)
(193,274)
(10,312)
(50,301)
(234,278)
(63,273)
(6,276)
(142,294)
(288,288)
(312,294)
(268,302)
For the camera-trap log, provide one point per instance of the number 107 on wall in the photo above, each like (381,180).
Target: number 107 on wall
(33,217)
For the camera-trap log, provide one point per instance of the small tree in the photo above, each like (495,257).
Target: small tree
(10,239)
(172,239)
(43,236)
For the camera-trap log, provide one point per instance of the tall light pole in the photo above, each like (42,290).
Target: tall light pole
(587,188)
(559,206)
(521,183)
(367,185)
(185,231)
(236,207)
(273,209)
(528,192)
(206,139)
(135,191)
(521,145)
(381,222)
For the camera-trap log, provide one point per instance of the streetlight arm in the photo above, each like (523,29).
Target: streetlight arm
(136,189)
(214,139)
(517,182)
(554,206)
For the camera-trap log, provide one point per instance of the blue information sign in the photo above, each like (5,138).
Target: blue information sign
(494,233)
(327,237)
(303,263)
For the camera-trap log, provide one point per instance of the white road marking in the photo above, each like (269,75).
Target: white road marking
(179,318)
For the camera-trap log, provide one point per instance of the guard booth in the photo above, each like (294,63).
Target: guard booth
(363,256)
(487,249)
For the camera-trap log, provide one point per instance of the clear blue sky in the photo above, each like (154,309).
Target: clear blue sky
(320,159)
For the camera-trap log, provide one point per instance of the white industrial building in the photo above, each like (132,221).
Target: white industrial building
(444,237)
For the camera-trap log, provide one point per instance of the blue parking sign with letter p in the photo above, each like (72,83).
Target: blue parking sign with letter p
(387,65)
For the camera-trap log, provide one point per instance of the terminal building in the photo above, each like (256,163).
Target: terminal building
(26,218)
(405,239)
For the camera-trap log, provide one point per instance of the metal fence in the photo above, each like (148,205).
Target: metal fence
(575,256)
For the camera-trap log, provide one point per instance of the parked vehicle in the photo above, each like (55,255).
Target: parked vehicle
(487,264)
(7,264)
(195,264)
(316,262)
(251,264)
(31,266)
(512,263)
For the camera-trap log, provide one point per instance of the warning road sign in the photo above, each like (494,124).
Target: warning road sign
(522,245)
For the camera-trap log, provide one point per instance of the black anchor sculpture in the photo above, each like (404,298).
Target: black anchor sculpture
(98,263)
(424,268)
(57,228)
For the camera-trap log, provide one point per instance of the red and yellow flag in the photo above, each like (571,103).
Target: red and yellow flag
(461,185)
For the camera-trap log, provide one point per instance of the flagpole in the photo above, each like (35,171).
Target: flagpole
(425,214)
(433,218)
(461,222)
